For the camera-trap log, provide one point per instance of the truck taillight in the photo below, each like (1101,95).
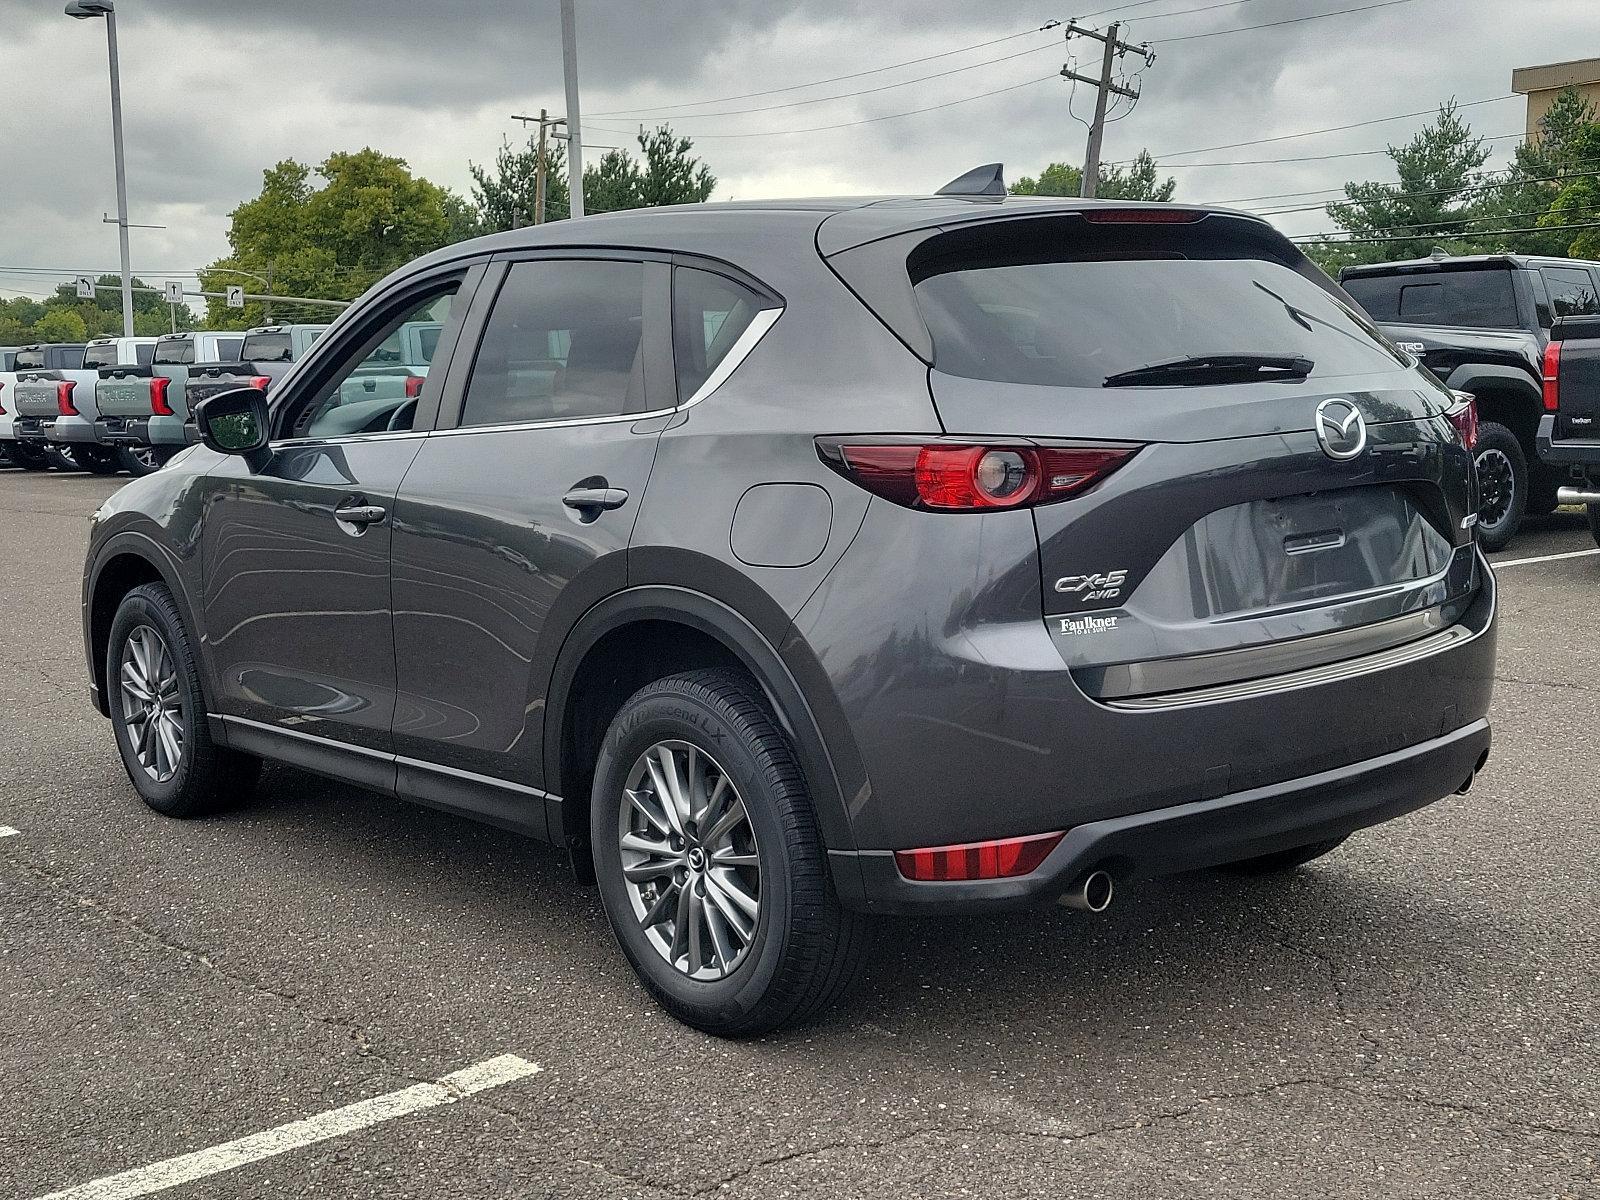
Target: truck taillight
(2,399)
(414,386)
(967,477)
(261,382)
(158,397)
(64,404)
(1464,417)
(1552,377)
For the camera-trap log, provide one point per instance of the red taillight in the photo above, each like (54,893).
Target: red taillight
(1552,377)
(2,403)
(1003,859)
(158,397)
(64,404)
(261,382)
(1142,216)
(414,386)
(955,477)
(1464,417)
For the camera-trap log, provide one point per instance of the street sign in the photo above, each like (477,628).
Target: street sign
(174,292)
(236,297)
(85,287)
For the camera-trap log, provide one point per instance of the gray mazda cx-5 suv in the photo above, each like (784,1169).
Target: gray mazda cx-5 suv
(786,563)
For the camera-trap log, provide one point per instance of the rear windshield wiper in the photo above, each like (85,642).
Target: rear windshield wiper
(1215,368)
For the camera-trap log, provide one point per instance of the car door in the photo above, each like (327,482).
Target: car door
(296,544)
(522,503)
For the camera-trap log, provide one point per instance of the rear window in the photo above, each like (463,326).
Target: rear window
(1481,299)
(100,356)
(1102,302)
(267,347)
(30,360)
(175,352)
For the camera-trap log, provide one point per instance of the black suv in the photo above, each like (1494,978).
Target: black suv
(1482,324)
(788,563)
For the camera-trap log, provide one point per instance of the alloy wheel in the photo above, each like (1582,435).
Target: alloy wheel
(690,863)
(152,703)
(146,457)
(1496,486)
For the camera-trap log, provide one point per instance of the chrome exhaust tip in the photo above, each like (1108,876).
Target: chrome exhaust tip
(1092,892)
(1573,495)
(1467,786)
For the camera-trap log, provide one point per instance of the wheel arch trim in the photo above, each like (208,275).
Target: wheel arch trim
(712,617)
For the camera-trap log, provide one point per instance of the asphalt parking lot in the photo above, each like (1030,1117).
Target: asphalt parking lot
(1413,1016)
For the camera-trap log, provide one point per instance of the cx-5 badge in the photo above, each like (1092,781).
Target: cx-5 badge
(1341,429)
(1093,587)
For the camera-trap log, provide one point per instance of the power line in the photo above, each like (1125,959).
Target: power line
(1255,162)
(1119,9)
(1432,226)
(1418,237)
(868,120)
(887,87)
(1338,12)
(1286,137)
(795,87)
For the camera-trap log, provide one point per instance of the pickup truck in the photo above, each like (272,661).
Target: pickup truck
(8,381)
(143,407)
(1482,323)
(265,357)
(29,447)
(1569,431)
(57,406)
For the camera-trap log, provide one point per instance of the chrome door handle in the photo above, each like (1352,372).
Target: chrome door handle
(592,498)
(361,514)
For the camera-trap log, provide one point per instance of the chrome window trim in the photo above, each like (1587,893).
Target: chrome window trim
(747,341)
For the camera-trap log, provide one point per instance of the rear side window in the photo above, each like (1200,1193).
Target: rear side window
(709,313)
(143,354)
(101,356)
(1572,292)
(175,353)
(267,347)
(564,341)
(1094,305)
(228,349)
(1480,299)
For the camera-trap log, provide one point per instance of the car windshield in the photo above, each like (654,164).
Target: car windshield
(1482,298)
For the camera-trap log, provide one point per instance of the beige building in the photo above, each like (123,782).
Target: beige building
(1541,85)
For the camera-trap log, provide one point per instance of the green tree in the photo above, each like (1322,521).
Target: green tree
(368,216)
(1137,180)
(1431,205)
(1578,201)
(503,196)
(1532,184)
(60,325)
(667,172)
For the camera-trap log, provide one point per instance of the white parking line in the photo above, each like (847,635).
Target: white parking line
(298,1134)
(8,831)
(1517,562)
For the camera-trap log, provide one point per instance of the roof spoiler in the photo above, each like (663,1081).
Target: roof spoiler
(987,180)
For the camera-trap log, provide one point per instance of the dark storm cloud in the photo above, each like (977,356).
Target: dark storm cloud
(215,92)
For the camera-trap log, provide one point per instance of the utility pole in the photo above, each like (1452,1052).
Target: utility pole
(1104,87)
(540,172)
(569,69)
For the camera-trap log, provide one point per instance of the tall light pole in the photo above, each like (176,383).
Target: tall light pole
(569,68)
(83,10)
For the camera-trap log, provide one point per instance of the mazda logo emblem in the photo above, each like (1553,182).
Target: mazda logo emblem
(1341,429)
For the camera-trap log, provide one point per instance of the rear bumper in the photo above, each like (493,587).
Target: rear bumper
(34,430)
(1204,833)
(1567,452)
(77,430)
(122,431)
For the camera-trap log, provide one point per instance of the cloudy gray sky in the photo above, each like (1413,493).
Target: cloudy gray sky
(215,91)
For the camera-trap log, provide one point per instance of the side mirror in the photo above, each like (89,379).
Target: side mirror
(234,421)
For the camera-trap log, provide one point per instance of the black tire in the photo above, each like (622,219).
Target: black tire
(805,950)
(29,458)
(1592,511)
(207,777)
(1285,860)
(99,460)
(140,461)
(62,458)
(1502,485)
